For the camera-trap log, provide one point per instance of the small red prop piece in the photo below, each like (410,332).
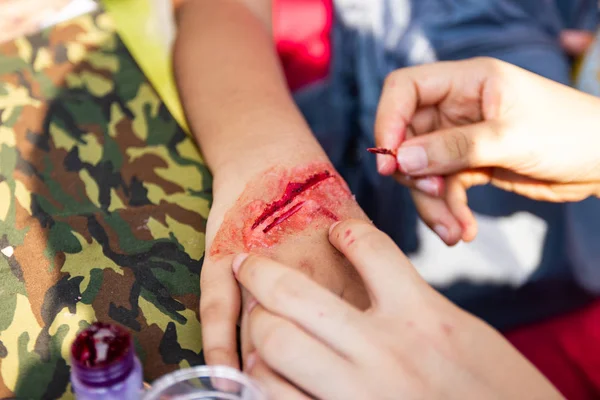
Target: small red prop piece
(381,150)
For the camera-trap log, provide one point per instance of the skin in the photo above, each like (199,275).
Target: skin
(259,223)
(411,343)
(245,121)
(454,125)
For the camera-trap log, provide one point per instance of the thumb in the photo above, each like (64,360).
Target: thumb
(576,42)
(452,150)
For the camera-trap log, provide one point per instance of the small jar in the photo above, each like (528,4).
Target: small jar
(104,364)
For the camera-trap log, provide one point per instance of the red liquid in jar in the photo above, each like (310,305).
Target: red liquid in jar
(100,345)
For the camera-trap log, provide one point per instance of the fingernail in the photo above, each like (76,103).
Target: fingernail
(412,159)
(237,262)
(429,186)
(442,232)
(250,361)
(252,302)
(333,226)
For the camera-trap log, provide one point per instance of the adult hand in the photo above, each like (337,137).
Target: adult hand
(576,42)
(453,125)
(412,342)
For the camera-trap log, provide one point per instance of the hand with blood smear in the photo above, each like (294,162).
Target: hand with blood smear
(445,127)
(284,213)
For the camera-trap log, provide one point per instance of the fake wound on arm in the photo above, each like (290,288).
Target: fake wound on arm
(283,202)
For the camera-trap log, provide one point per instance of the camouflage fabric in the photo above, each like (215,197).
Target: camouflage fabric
(103,204)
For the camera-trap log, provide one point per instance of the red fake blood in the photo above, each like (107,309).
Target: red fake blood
(100,345)
(329,214)
(293,190)
(381,150)
(283,217)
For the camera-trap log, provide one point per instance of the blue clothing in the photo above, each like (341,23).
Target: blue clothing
(521,246)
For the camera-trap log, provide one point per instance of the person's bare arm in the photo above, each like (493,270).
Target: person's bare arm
(234,92)
(255,141)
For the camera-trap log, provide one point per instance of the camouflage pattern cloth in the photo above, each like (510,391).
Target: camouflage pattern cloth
(103,205)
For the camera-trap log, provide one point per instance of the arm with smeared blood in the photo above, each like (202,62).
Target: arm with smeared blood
(285,213)
(240,110)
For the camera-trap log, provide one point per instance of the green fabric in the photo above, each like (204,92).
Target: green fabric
(103,205)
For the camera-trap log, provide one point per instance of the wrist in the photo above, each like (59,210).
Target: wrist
(238,164)
(280,204)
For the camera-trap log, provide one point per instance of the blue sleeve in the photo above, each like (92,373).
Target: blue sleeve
(579,14)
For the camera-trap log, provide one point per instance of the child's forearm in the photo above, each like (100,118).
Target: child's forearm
(234,91)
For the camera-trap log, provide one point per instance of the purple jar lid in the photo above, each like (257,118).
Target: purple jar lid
(102,355)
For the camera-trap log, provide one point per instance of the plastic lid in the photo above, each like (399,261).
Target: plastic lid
(102,355)
(205,382)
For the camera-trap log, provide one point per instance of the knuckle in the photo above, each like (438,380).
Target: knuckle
(216,353)
(457,145)
(211,311)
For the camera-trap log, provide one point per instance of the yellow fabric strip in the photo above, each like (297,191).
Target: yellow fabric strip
(139,25)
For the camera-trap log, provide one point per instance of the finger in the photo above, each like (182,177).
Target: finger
(436,214)
(291,294)
(434,186)
(301,358)
(408,89)
(456,199)
(404,91)
(425,120)
(385,270)
(453,150)
(542,190)
(249,302)
(274,386)
(219,312)
(450,217)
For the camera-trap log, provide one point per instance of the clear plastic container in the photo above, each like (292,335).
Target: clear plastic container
(214,382)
